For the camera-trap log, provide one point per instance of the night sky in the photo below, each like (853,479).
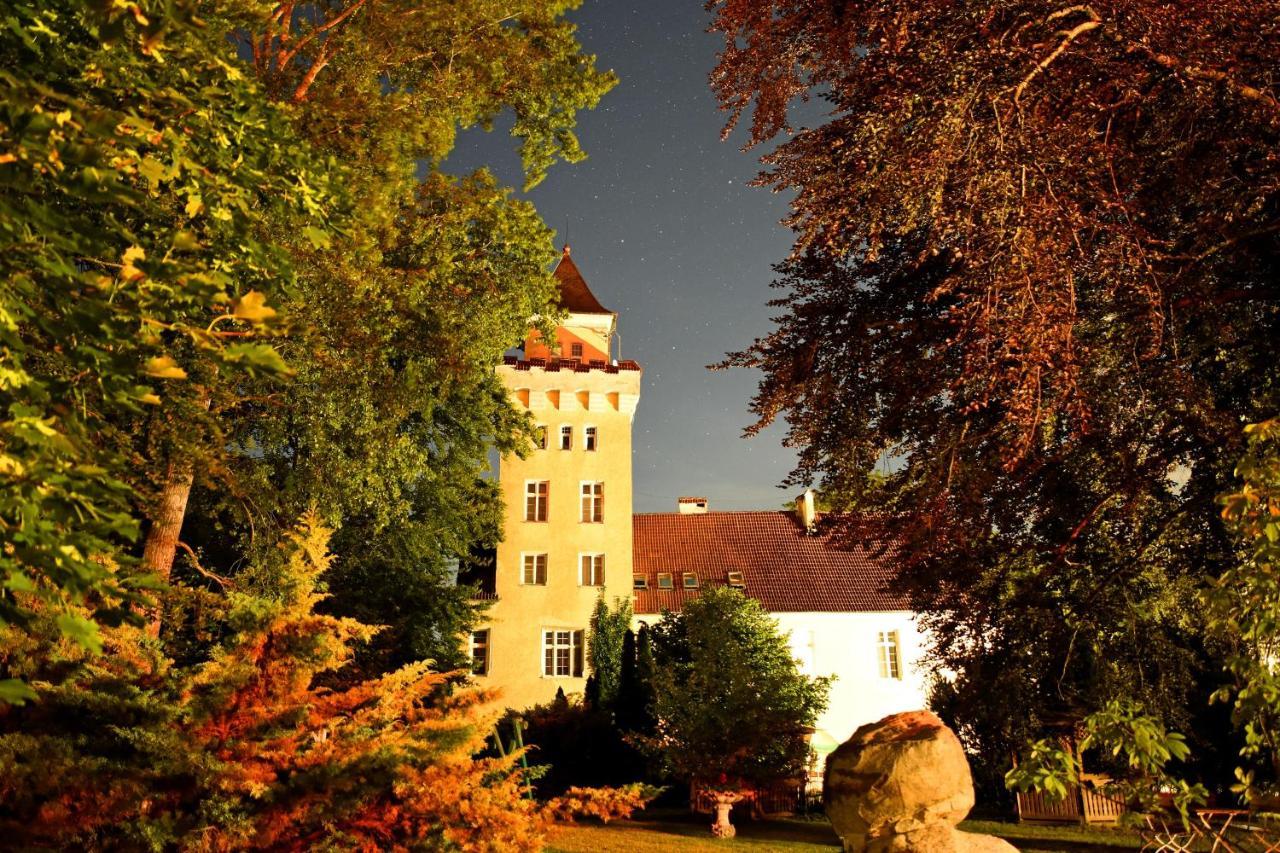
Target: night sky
(667,233)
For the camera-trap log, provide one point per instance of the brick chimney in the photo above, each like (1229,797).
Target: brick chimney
(806,513)
(692,506)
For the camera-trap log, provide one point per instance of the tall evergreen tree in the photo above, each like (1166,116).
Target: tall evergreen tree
(629,697)
(606,649)
(646,680)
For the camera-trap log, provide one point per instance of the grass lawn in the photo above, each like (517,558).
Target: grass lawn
(1058,839)
(659,831)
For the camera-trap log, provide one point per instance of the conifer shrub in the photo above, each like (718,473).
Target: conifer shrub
(247,749)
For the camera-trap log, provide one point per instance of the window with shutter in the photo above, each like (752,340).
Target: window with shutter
(591,570)
(535,499)
(533,569)
(592,503)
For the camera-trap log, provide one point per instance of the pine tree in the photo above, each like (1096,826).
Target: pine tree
(250,750)
(646,672)
(606,648)
(628,688)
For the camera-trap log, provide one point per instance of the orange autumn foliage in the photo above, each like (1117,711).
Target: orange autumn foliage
(250,749)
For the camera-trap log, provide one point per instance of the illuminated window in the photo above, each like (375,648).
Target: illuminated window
(533,572)
(590,441)
(480,652)
(592,503)
(562,653)
(890,654)
(566,437)
(591,572)
(535,500)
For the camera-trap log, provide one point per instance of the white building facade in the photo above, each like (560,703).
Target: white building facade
(833,600)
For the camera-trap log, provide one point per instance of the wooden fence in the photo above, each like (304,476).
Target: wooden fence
(1081,805)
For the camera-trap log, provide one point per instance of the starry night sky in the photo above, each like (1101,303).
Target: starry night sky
(667,233)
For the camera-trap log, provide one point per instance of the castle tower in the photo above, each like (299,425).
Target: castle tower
(567,529)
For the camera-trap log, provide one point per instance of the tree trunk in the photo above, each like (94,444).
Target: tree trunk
(162,539)
(161,545)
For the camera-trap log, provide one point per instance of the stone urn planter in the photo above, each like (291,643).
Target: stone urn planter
(724,802)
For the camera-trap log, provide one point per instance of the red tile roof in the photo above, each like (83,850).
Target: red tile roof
(575,296)
(785,569)
(571,365)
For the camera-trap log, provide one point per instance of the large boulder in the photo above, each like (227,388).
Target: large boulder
(903,784)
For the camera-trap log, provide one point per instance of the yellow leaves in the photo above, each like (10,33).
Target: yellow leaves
(132,9)
(149,398)
(153,170)
(12,378)
(185,241)
(252,308)
(129,272)
(11,466)
(7,158)
(195,204)
(164,367)
(232,72)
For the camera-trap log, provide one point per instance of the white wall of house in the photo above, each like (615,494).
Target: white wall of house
(846,645)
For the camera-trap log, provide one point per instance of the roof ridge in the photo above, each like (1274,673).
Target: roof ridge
(719,512)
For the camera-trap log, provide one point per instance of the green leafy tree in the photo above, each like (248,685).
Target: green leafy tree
(1030,272)
(732,707)
(1135,744)
(138,165)
(1244,608)
(399,320)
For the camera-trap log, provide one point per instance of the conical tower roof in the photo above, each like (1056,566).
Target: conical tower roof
(575,296)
